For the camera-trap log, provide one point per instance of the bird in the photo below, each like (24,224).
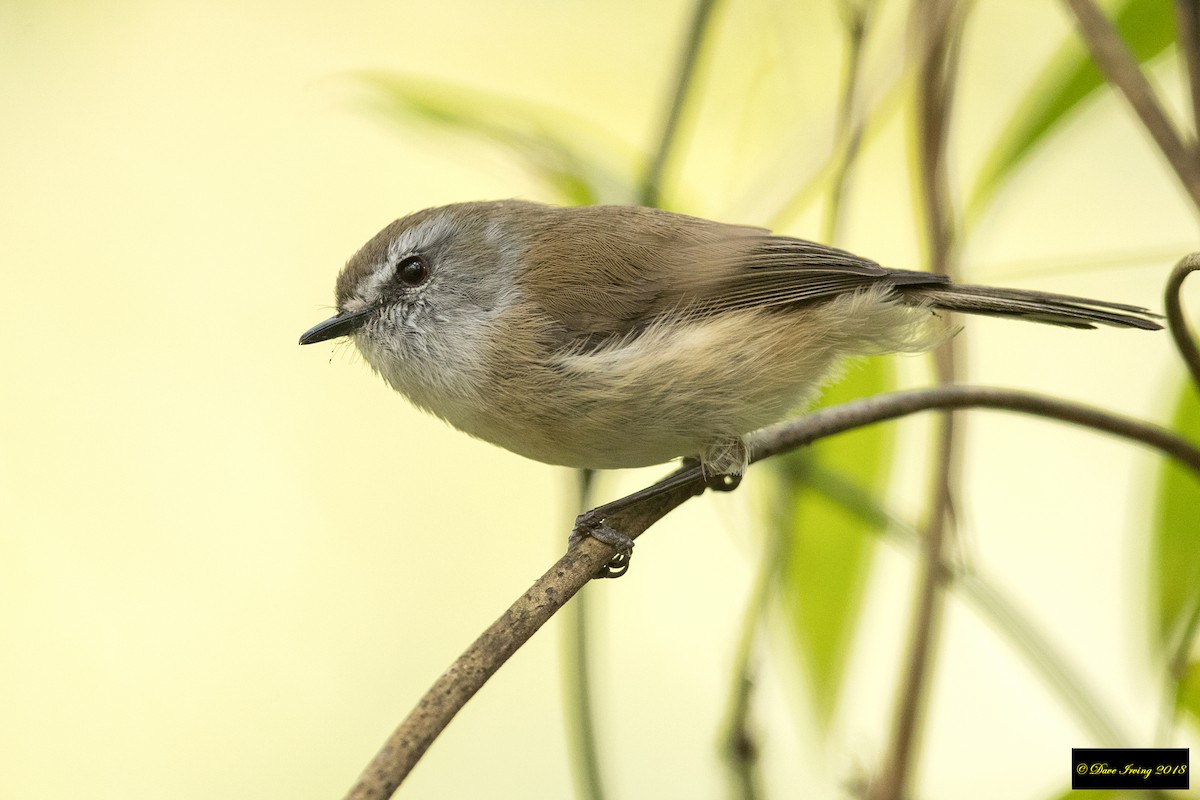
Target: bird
(614,336)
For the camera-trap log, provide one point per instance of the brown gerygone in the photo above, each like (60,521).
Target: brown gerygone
(618,336)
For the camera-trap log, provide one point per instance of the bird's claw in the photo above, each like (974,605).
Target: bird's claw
(589,525)
(722,483)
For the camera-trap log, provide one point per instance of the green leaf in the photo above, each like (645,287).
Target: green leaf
(1188,696)
(579,165)
(826,548)
(1176,535)
(1148,28)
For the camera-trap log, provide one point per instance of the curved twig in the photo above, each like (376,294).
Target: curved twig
(827,422)
(1176,321)
(549,593)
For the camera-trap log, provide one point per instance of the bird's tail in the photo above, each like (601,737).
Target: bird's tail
(1053,309)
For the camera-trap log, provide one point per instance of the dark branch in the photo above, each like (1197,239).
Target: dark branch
(1176,320)
(1187,24)
(860,413)
(505,636)
(1121,68)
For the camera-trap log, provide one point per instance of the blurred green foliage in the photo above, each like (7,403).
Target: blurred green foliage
(1067,81)
(577,163)
(828,543)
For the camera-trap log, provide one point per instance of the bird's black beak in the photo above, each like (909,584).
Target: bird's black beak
(345,322)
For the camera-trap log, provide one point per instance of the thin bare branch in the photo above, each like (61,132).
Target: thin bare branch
(856,18)
(872,121)
(1121,68)
(937,26)
(830,421)
(738,741)
(576,663)
(652,183)
(1177,322)
(549,593)
(1187,23)
(1185,343)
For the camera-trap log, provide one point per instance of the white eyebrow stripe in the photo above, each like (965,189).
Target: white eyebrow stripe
(414,240)
(428,233)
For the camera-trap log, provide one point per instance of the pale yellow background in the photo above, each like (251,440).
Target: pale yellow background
(229,565)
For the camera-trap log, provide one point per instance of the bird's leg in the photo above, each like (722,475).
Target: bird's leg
(723,463)
(593,523)
(719,469)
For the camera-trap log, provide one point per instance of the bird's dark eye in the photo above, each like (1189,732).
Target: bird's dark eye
(412,271)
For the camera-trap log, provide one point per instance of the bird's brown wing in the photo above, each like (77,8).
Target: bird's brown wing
(612,270)
(780,271)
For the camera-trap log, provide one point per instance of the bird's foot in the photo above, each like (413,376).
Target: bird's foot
(592,524)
